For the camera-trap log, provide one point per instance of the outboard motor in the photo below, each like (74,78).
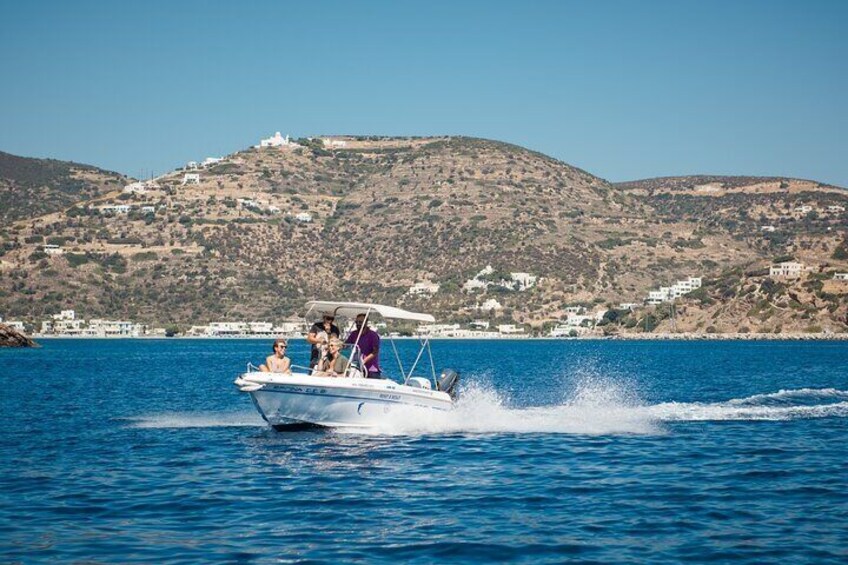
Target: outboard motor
(447,382)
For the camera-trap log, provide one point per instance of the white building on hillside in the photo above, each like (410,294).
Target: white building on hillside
(490,305)
(835,209)
(510,329)
(566,330)
(678,289)
(658,296)
(51,249)
(523,281)
(65,327)
(574,320)
(113,328)
(804,209)
(261,328)
(424,288)
(211,161)
(135,188)
(115,209)
(65,315)
(290,329)
(840,277)
(438,330)
(277,140)
(191,178)
(768,228)
(516,281)
(788,270)
(303,217)
(227,328)
(685,286)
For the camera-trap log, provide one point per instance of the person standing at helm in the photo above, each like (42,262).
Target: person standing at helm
(319,335)
(369,346)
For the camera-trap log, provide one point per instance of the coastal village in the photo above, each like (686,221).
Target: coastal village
(208,195)
(579,321)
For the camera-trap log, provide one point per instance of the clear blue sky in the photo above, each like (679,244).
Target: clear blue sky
(625,89)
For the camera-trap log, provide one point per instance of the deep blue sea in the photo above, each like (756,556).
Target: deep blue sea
(591,451)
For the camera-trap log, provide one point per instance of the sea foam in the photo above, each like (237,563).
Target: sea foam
(591,406)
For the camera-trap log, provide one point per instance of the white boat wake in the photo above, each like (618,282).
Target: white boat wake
(593,407)
(174,420)
(598,408)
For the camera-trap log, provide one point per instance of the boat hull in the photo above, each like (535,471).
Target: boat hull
(298,400)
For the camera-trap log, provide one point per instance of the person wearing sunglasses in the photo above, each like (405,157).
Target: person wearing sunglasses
(277,362)
(318,336)
(335,364)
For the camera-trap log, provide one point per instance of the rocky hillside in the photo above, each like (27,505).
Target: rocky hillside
(33,187)
(385,213)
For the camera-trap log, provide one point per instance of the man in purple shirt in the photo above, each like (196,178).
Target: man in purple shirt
(369,346)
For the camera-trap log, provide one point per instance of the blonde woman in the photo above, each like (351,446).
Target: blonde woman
(335,364)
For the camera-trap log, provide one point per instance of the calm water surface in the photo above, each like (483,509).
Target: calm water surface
(144,451)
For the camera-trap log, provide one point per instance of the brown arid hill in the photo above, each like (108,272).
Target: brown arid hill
(30,188)
(743,302)
(389,212)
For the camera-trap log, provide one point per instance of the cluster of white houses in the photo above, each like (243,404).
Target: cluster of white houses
(248,329)
(795,270)
(516,281)
(124,209)
(66,323)
(669,293)
(478,329)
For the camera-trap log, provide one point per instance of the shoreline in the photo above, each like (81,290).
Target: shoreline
(618,337)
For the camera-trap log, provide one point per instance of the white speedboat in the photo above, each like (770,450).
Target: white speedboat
(305,399)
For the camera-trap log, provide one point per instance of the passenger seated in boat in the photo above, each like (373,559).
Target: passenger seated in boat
(277,362)
(335,364)
(320,332)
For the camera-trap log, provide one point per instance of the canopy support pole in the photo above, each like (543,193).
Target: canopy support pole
(432,364)
(420,353)
(400,364)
